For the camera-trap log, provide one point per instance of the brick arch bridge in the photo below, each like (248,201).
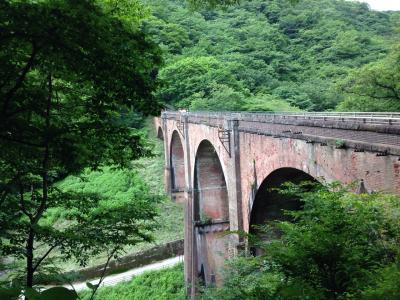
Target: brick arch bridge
(223,165)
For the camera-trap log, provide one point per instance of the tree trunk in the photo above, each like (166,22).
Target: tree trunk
(30,268)
(29,258)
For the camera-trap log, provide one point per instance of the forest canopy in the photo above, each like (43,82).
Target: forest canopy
(303,54)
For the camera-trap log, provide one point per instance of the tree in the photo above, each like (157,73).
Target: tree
(212,3)
(221,98)
(217,3)
(297,53)
(375,86)
(262,102)
(170,36)
(194,77)
(69,69)
(339,246)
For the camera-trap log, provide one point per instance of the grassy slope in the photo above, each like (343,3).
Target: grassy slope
(119,184)
(152,172)
(165,284)
(113,182)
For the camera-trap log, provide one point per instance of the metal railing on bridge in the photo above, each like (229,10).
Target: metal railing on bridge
(378,118)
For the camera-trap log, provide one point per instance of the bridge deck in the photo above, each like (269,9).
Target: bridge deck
(379,132)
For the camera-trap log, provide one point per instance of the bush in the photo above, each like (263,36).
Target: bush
(166,284)
(385,284)
(340,246)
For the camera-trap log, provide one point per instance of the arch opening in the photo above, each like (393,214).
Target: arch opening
(177,158)
(211,214)
(269,205)
(160,134)
(210,192)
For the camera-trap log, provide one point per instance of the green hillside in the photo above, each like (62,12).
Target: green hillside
(270,55)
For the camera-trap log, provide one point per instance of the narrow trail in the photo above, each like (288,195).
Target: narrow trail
(128,275)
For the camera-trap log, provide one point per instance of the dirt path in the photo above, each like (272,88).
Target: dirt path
(128,275)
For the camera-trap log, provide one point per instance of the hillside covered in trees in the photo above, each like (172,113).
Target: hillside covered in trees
(273,56)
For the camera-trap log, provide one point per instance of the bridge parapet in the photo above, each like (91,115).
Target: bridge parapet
(376,132)
(372,118)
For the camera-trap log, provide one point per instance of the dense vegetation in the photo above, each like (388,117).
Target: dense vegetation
(270,55)
(144,176)
(340,246)
(166,284)
(115,185)
(69,75)
(76,79)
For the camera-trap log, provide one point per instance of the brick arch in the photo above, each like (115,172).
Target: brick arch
(211,214)
(268,204)
(211,194)
(177,161)
(211,140)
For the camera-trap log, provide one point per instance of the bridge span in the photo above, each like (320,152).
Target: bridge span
(224,167)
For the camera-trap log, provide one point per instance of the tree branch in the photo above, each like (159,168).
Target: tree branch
(389,88)
(103,273)
(43,257)
(3,196)
(20,79)
(46,157)
(370,95)
(7,138)
(22,202)
(6,189)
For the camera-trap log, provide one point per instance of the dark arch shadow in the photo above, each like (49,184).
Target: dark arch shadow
(177,161)
(269,205)
(211,214)
(160,134)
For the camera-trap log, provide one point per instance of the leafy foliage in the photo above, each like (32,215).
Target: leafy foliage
(261,102)
(60,293)
(145,177)
(299,54)
(85,217)
(340,246)
(166,284)
(376,85)
(192,78)
(71,71)
(385,284)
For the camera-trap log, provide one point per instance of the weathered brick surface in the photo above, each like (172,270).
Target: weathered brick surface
(221,180)
(209,185)
(212,251)
(177,163)
(380,173)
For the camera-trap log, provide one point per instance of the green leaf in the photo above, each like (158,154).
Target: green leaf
(91,286)
(9,293)
(32,294)
(59,293)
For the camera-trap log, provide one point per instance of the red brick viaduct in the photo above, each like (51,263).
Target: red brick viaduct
(223,166)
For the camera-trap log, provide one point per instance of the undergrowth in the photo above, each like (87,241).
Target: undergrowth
(165,284)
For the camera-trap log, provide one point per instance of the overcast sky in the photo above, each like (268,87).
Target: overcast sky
(383,4)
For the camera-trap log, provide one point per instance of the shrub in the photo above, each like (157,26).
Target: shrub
(340,246)
(166,284)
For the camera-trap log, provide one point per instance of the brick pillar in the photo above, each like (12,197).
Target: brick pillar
(235,192)
(167,159)
(189,265)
